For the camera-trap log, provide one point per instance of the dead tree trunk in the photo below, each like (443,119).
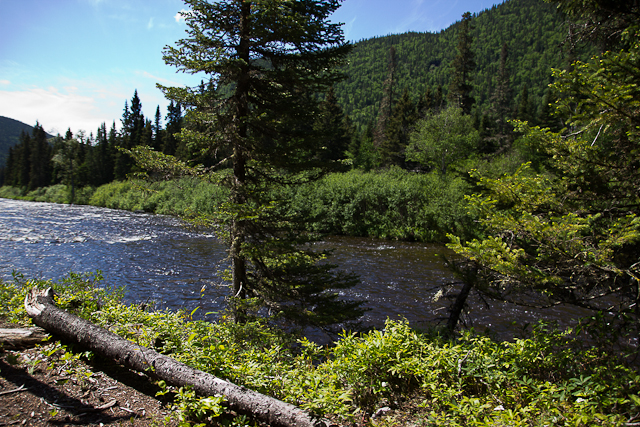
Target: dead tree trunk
(40,307)
(458,305)
(17,338)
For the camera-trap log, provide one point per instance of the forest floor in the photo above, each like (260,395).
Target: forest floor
(40,386)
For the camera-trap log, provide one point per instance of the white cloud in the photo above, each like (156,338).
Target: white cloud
(5,82)
(348,27)
(56,111)
(180,15)
(150,24)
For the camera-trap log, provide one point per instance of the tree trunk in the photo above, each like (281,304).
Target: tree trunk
(17,338)
(458,305)
(39,305)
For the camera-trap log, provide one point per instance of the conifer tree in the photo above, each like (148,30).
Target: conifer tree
(332,123)
(157,130)
(132,135)
(103,164)
(397,132)
(386,105)
(24,161)
(267,61)
(66,161)
(463,66)
(174,125)
(524,110)
(500,109)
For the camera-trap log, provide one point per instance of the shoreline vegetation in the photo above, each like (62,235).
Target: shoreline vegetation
(394,376)
(391,204)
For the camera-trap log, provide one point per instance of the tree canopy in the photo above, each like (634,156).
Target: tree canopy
(566,228)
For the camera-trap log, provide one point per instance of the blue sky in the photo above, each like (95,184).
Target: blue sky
(73,63)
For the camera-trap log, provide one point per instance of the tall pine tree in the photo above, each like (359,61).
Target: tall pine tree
(267,61)
(463,66)
(386,105)
(501,109)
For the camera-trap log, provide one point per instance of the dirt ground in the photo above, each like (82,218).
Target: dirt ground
(38,388)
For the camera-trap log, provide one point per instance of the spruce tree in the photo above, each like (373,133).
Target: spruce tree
(157,130)
(174,125)
(386,105)
(399,127)
(463,66)
(267,61)
(103,168)
(132,135)
(40,162)
(332,123)
(24,161)
(524,110)
(501,110)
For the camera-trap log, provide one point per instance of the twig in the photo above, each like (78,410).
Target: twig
(461,361)
(21,388)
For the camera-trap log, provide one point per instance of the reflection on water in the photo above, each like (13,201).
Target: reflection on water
(158,259)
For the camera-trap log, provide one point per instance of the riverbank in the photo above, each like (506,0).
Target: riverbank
(394,376)
(392,204)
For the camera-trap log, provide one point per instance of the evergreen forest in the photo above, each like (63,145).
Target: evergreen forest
(532,32)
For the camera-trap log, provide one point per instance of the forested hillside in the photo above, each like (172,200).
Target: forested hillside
(510,51)
(10,131)
(532,29)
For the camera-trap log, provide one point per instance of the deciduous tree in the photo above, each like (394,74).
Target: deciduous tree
(443,139)
(572,234)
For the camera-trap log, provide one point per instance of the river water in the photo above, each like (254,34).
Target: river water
(158,259)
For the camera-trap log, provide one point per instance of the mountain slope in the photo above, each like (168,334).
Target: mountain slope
(532,29)
(10,131)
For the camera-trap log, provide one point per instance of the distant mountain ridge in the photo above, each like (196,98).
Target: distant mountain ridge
(10,130)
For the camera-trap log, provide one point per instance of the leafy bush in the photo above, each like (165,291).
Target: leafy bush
(7,192)
(392,204)
(58,193)
(187,196)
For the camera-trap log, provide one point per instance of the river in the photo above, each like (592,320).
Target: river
(159,259)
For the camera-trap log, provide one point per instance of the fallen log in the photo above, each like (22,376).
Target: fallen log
(40,306)
(18,338)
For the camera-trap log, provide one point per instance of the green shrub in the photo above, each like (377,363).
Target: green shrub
(183,197)
(81,294)
(392,204)
(58,193)
(7,192)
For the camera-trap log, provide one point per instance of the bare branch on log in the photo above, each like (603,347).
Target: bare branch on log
(39,305)
(17,338)
(15,390)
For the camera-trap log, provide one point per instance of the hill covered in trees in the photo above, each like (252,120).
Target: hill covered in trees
(10,131)
(520,40)
(533,31)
